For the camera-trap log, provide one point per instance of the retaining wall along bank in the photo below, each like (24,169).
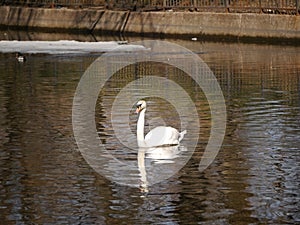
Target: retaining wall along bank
(160,23)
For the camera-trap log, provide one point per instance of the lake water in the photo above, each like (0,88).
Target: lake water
(253,180)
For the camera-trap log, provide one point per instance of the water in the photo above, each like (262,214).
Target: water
(253,180)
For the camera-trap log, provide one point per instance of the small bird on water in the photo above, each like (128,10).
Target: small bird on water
(20,57)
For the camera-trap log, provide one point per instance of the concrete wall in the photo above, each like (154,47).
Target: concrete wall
(241,25)
(63,19)
(112,21)
(167,23)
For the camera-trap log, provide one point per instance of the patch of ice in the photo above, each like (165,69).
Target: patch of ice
(65,47)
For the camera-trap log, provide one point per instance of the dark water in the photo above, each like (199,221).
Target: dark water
(253,180)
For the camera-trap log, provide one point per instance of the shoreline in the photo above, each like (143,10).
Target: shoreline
(242,26)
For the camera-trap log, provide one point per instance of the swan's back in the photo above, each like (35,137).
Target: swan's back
(162,136)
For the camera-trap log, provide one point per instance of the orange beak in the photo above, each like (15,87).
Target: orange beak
(138,109)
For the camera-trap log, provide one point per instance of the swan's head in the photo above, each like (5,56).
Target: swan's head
(140,105)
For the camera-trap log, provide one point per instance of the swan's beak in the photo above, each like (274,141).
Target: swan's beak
(138,109)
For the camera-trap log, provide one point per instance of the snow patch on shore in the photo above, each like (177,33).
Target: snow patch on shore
(66,47)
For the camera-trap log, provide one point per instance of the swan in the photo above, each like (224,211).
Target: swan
(157,137)
(20,57)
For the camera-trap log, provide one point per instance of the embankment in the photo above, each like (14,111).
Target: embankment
(193,24)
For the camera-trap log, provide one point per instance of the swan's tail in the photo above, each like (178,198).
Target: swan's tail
(181,135)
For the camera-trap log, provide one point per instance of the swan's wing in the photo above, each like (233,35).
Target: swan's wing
(162,136)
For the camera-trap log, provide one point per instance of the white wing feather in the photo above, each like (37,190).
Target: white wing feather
(163,136)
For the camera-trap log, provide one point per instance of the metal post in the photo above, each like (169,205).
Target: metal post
(226,6)
(297,7)
(260,7)
(195,4)
(164,4)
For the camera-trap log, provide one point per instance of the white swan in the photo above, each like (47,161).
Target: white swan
(159,136)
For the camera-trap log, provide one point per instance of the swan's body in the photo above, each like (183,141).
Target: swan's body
(165,154)
(20,57)
(159,136)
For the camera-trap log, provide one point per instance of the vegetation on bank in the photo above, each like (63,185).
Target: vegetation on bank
(251,6)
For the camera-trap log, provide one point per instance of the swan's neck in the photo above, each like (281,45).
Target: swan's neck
(140,129)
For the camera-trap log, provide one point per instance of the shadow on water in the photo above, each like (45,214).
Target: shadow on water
(254,179)
(33,35)
(23,35)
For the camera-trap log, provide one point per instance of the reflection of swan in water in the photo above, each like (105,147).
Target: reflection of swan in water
(142,169)
(158,155)
(159,136)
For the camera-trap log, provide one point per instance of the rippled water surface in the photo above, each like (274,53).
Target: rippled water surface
(253,180)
